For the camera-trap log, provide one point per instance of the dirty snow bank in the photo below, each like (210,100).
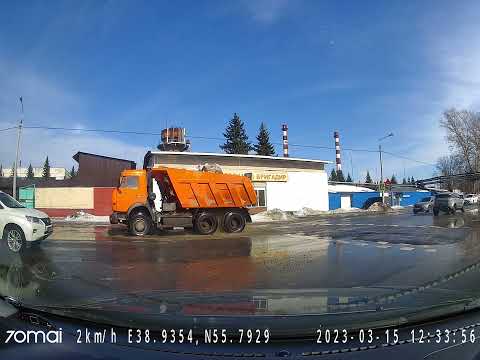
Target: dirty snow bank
(82,216)
(378,206)
(278,215)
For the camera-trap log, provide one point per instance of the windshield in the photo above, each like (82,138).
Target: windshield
(260,160)
(129,182)
(9,201)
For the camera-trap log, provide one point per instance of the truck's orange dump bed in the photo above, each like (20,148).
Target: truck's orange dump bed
(199,189)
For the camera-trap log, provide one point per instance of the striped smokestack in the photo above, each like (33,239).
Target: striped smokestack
(285,140)
(337,151)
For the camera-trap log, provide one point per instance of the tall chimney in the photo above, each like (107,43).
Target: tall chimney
(285,140)
(337,151)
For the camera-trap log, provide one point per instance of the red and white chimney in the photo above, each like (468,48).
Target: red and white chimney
(285,140)
(337,151)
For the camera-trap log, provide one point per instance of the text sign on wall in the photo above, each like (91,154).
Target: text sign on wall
(270,176)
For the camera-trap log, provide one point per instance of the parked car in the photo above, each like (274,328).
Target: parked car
(21,227)
(448,203)
(424,205)
(471,199)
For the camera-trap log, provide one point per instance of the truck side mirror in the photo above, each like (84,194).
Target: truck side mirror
(152,196)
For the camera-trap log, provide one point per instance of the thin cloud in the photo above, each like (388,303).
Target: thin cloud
(266,11)
(50,104)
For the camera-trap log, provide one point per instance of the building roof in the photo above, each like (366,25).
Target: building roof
(77,156)
(221,155)
(348,188)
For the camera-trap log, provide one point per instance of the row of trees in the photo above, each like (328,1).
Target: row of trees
(338,176)
(30,173)
(236,139)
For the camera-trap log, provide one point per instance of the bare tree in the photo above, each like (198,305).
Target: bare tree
(451,165)
(463,136)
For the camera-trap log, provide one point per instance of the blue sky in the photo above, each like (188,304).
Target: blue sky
(365,68)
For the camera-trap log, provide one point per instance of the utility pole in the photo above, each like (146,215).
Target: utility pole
(14,185)
(381,173)
(351,165)
(382,185)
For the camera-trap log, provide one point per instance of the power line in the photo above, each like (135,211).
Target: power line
(92,130)
(190,136)
(10,128)
(112,131)
(407,158)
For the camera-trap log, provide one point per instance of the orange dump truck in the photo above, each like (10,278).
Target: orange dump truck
(166,197)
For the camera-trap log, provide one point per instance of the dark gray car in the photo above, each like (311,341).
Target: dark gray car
(424,205)
(448,203)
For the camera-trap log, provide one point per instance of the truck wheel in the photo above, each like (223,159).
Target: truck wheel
(206,223)
(234,222)
(14,238)
(140,224)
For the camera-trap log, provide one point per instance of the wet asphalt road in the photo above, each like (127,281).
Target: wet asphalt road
(391,251)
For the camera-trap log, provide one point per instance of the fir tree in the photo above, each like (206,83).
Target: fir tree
(46,169)
(333,175)
(404,181)
(393,180)
(236,139)
(263,145)
(30,174)
(72,172)
(340,176)
(349,178)
(1,170)
(368,178)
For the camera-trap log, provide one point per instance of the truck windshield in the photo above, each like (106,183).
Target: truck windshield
(129,182)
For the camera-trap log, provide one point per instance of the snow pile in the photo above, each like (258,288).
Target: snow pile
(307,211)
(210,168)
(272,215)
(340,210)
(82,216)
(279,215)
(378,206)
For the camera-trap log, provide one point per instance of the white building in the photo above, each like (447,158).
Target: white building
(284,183)
(57,173)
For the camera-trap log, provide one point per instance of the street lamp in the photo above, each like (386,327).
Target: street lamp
(381,164)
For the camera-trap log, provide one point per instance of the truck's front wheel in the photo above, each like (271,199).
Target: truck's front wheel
(140,224)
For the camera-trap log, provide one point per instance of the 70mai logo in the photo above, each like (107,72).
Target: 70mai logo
(34,337)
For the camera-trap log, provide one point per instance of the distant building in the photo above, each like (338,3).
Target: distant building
(99,170)
(55,173)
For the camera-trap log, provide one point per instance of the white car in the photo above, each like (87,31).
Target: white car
(21,227)
(471,199)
